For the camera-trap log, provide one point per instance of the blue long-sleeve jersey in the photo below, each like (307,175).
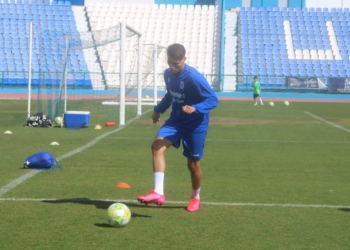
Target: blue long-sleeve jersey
(188,87)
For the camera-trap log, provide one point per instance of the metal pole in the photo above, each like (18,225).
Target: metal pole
(65,78)
(122,75)
(30,66)
(155,74)
(139,78)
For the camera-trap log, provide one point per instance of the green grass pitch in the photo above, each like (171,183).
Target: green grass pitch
(273,178)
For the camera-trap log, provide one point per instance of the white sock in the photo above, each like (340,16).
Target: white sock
(159,182)
(261,101)
(195,194)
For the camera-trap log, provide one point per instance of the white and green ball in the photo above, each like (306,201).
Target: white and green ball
(271,104)
(118,215)
(58,121)
(286,103)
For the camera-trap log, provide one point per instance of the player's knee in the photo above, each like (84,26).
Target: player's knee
(193,164)
(158,147)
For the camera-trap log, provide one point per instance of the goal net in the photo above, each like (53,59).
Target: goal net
(80,71)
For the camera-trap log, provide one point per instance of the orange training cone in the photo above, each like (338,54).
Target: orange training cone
(122,185)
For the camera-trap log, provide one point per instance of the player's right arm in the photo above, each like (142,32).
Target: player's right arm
(155,117)
(163,105)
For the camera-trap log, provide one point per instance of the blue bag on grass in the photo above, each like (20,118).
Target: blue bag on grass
(41,161)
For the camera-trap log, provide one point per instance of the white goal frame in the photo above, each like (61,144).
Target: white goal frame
(147,101)
(123,27)
(125,31)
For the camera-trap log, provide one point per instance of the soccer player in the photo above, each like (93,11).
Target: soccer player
(191,98)
(256,91)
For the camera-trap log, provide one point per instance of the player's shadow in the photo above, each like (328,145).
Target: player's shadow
(153,206)
(344,209)
(100,204)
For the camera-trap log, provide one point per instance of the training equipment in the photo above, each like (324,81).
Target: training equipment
(58,121)
(98,127)
(39,120)
(77,119)
(54,143)
(41,161)
(194,205)
(122,185)
(110,124)
(271,104)
(286,103)
(153,197)
(118,215)
(8,132)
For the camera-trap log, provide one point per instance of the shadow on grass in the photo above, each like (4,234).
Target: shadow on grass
(104,225)
(101,204)
(344,209)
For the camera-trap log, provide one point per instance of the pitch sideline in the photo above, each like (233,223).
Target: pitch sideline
(232,140)
(234,204)
(328,122)
(32,173)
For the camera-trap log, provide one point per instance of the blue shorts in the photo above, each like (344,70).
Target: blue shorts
(192,141)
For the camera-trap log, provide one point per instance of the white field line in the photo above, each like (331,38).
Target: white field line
(249,204)
(232,140)
(31,173)
(328,122)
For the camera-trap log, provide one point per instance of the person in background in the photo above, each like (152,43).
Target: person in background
(256,91)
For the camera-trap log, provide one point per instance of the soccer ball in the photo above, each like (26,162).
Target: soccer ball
(58,121)
(286,103)
(118,215)
(271,104)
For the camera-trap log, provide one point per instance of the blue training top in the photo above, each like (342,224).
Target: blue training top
(188,87)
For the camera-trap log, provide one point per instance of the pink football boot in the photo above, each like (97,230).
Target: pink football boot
(193,206)
(153,197)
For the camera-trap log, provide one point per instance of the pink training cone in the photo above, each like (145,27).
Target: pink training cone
(122,185)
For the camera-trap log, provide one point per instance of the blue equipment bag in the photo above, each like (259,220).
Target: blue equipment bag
(41,161)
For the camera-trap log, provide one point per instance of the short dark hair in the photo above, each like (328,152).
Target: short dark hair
(176,51)
(255,77)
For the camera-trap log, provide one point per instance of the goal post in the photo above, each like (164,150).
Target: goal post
(123,27)
(77,71)
(154,60)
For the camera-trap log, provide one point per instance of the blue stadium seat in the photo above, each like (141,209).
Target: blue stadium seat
(271,80)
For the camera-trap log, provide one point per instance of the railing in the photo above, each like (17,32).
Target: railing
(218,82)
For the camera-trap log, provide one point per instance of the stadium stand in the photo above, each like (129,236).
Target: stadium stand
(230,63)
(272,42)
(50,17)
(280,42)
(191,25)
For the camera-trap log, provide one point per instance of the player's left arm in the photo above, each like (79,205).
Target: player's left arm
(207,95)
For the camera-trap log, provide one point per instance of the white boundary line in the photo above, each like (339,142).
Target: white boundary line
(31,173)
(328,122)
(83,200)
(230,140)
